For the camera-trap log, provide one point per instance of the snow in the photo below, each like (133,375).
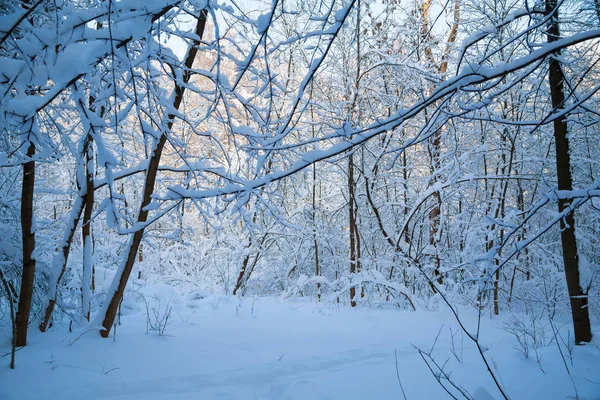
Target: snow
(174,345)
(268,348)
(263,22)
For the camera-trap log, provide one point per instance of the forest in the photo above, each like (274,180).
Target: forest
(298,199)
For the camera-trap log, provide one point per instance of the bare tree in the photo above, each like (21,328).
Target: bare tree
(121,279)
(28,234)
(578,297)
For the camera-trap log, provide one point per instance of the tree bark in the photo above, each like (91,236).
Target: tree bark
(151,172)
(28,276)
(314,228)
(86,229)
(352,225)
(240,279)
(578,298)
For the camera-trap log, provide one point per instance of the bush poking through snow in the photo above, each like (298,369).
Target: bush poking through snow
(530,334)
(158,317)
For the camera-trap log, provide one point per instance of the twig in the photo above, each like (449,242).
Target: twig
(398,374)
(79,337)
(10,352)
(442,374)
(474,338)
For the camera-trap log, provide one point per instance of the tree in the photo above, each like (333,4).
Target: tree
(578,297)
(150,178)
(28,234)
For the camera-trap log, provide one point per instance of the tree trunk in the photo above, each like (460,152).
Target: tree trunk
(9,296)
(353,229)
(240,279)
(28,276)
(314,228)
(435,142)
(59,262)
(151,172)
(314,209)
(352,225)
(578,298)
(86,229)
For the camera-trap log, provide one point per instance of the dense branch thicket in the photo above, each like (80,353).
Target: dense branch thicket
(379,153)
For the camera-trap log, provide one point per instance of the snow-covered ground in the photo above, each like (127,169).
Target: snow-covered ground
(287,349)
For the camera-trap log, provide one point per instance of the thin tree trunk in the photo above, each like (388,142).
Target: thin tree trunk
(85,199)
(579,300)
(86,229)
(501,210)
(151,172)
(358,246)
(240,279)
(87,282)
(28,276)
(522,236)
(314,209)
(243,276)
(59,262)
(435,144)
(13,342)
(314,228)
(395,246)
(434,223)
(351,225)
(405,195)
(353,229)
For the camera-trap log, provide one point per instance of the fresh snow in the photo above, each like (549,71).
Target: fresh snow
(270,348)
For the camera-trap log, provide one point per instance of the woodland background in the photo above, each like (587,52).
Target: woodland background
(398,154)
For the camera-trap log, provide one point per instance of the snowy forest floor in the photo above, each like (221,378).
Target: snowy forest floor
(269,348)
